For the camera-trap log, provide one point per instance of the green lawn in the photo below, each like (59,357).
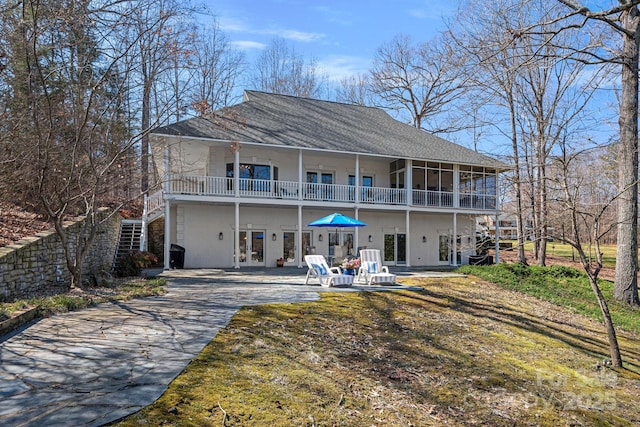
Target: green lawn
(460,351)
(564,286)
(567,251)
(128,289)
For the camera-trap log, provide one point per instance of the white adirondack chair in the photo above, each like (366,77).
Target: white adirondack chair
(327,276)
(371,269)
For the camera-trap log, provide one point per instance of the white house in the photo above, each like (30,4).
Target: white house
(241,185)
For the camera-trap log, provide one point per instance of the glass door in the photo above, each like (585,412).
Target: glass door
(340,245)
(443,248)
(252,248)
(289,246)
(395,248)
(451,249)
(307,248)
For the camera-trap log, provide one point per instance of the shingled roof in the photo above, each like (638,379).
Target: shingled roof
(281,120)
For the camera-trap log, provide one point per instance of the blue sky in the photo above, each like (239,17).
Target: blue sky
(341,35)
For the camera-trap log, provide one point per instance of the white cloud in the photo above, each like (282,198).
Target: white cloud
(248,44)
(420,13)
(296,35)
(338,67)
(237,26)
(232,25)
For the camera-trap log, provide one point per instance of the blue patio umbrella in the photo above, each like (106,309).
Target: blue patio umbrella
(336,220)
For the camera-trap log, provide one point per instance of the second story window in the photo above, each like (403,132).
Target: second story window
(397,174)
(250,171)
(319,178)
(366,181)
(254,177)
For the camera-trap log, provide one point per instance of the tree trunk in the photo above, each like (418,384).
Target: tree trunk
(614,348)
(626,283)
(518,186)
(543,206)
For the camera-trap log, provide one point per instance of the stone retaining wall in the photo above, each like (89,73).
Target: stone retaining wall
(34,264)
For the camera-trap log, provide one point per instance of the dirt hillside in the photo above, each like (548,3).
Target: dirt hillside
(17,223)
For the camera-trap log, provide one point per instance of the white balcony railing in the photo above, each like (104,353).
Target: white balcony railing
(272,189)
(155,202)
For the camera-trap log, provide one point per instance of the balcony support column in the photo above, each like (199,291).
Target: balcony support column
(408,238)
(356,234)
(300,185)
(167,234)
(236,173)
(236,233)
(456,186)
(408,177)
(167,172)
(497,222)
(299,253)
(358,195)
(454,259)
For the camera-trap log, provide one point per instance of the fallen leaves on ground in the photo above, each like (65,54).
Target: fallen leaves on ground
(17,223)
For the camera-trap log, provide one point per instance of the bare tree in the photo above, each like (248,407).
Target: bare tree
(280,69)
(70,78)
(623,18)
(554,94)
(588,225)
(355,89)
(420,80)
(492,65)
(216,71)
(157,53)
(546,95)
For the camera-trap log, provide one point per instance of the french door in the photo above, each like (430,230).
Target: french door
(395,248)
(252,247)
(340,245)
(450,249)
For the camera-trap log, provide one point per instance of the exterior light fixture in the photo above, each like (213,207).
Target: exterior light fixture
(274,237)
(220,236)
(424,239)
(370,238)
(319,237)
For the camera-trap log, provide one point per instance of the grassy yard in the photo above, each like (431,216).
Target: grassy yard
(76,300)
(459,352)
(564,286)
(567,251)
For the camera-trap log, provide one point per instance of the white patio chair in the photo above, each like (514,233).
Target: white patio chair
(327,276)
(371,269)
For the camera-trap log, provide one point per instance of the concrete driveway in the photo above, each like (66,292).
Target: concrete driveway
(94,366)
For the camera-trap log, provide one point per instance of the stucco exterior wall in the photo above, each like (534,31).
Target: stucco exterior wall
(341,166)
(198,228)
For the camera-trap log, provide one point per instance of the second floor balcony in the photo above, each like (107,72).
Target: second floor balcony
(315,192)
